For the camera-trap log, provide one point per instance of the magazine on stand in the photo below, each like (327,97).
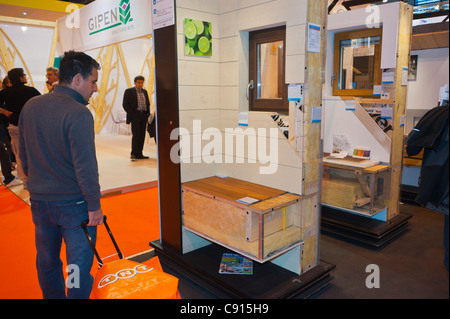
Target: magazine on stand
(235,264)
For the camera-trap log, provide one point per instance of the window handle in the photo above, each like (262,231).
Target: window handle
(333,77)
(249,86)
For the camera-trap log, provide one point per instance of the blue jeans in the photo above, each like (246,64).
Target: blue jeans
(55,221)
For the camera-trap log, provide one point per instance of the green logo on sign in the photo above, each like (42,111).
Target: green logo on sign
(111,18)
(124,11)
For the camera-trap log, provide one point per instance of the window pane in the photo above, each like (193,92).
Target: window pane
(356,66)
(269,62)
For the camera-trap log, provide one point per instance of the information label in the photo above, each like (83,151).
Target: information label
(163,13)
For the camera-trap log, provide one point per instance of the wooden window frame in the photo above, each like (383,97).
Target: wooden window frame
(338,37)
(280,105)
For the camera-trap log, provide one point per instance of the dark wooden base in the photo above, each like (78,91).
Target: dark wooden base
(268,281)
(409,194)
(363,229)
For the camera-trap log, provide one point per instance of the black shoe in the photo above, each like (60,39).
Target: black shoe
(133,158)
(9,180)
(142,157)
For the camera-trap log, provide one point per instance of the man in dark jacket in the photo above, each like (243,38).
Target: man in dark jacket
(13,99)
(137,105)
(58,154)
(5,163)
(432,135)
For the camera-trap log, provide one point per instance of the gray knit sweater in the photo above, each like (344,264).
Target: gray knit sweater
(57,148)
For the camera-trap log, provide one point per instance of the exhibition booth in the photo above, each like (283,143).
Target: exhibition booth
(276,120)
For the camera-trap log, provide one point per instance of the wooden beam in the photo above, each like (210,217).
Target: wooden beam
(39,23)
(167,119)
(312,144)
(403,53)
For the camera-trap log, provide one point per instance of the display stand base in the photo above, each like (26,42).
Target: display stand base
(268,281)
(362,229)
(408,194)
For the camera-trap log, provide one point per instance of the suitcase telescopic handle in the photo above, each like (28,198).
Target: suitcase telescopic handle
(91,243)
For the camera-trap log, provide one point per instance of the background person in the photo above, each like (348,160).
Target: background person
(4,122)
(52,78)
(13,99)
(58,154)
(5,163)
(137,105)
(432,134)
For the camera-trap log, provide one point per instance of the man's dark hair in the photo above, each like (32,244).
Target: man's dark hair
(139,78)
(14,75)
(74,62)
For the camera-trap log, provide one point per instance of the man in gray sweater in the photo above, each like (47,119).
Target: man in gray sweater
(58,154)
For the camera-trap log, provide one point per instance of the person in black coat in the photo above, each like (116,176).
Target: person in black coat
(137,105)
(13,99)
(432,135)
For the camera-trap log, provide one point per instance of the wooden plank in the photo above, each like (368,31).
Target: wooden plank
(374,101)
(275,203)
(311,139)
(312,95)
(22,21)
(231,188)
(376,169)
(349,163)
(362,201)
(403,53)
(363,183)
(5,57)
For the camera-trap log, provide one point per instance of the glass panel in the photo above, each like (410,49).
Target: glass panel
(269,61)
(356,65)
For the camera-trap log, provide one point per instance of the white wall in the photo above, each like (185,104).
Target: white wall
(212,89)
(432,73)
(33,44)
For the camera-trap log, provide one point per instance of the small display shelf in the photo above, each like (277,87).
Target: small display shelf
(355,185)
(256,221)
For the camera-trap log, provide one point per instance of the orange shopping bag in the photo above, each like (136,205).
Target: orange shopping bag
(126,279)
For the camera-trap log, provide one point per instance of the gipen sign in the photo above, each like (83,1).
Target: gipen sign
(105,22)
(112,18)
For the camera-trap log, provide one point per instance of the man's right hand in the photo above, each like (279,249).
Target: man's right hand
(95,218)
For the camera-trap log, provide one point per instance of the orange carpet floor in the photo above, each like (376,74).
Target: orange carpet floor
(133,219)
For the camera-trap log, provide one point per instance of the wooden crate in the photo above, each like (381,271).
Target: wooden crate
(261,230)
(341,192)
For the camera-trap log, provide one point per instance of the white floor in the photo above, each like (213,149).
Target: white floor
(118,174)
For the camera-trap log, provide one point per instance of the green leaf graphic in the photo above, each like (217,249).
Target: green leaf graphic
(124,11)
